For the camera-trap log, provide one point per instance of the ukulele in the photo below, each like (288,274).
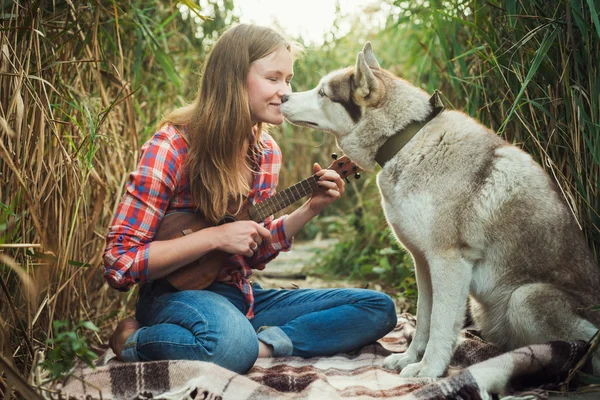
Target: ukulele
(201,273)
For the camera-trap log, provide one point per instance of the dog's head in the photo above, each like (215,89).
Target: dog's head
(360,105)
(336,104)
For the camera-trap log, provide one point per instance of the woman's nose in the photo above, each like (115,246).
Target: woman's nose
(284,89)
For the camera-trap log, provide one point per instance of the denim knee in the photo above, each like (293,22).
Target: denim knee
(226,338)
(384,312)
(237,353)
(196,325)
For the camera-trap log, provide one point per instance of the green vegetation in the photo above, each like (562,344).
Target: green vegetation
(83,84)
(67,346)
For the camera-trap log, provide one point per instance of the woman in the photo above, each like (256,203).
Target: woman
(201,154)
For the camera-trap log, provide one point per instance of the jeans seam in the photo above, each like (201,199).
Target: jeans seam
(170,343)
(317,302)
(200,315)
(130,347)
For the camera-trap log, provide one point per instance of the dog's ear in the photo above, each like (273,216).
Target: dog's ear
(370,56)
(364,79)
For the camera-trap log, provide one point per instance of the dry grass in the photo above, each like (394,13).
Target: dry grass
(70,126)
(63,158)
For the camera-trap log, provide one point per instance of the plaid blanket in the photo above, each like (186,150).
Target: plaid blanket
(478,371)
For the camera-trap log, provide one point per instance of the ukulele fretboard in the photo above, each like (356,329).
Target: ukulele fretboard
(284,198)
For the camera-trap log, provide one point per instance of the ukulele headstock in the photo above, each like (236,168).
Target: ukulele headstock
(344,167)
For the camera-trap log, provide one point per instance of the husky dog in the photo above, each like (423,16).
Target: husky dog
(480,218)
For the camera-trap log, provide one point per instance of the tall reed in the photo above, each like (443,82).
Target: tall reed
(82,85)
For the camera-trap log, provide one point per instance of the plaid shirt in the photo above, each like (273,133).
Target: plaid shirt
(160,186)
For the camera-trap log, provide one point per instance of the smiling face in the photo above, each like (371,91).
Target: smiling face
(268,80)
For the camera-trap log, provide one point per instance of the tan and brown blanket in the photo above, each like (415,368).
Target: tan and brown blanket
(478,371)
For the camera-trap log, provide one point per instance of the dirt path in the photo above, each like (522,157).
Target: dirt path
(293,268)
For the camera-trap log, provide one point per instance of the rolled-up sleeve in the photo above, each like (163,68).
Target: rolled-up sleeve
(268,251)
(138,216)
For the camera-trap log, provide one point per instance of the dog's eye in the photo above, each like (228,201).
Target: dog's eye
(322,93)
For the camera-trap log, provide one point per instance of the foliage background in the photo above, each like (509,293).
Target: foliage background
(83,84)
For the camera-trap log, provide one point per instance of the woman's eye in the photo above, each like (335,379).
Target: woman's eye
(272,79)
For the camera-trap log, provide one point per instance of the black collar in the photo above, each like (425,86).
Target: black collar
(399,139)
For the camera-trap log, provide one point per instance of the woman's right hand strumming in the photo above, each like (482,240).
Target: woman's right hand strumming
(241,237)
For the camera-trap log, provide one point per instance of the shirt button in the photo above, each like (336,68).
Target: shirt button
(137,280)
(120,238)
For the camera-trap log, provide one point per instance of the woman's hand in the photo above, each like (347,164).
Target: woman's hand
(333,186)
(241,237)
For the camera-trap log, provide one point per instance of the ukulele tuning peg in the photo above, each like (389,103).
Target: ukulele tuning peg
(334,156)
(344,171)
(354,168)
(357,175)
(340,163)
(346,178)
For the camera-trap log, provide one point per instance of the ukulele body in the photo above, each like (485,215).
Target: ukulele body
(200,273)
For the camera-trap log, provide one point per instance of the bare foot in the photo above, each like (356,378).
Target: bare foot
(122,332)
(264,350)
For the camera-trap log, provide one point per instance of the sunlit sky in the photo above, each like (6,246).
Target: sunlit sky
(310,19)
(307,18)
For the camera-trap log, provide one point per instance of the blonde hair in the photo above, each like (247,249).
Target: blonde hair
(219,121)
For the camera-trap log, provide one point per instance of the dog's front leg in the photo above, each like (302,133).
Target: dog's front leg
(419,342)
(450,282)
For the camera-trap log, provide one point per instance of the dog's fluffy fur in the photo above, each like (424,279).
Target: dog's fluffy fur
(479,217)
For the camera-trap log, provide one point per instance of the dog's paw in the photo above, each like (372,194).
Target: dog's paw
(399,361)
(422,370)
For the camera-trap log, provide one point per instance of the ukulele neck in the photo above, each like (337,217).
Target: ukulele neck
(281,200)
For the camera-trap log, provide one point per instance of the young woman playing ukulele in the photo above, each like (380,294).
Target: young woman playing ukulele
(201,154)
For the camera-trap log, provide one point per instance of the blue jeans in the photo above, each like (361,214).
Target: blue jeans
(210,324)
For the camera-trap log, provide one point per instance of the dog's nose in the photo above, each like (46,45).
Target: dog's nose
(285,98)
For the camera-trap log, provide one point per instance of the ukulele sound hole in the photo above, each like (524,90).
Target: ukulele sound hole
(227,219)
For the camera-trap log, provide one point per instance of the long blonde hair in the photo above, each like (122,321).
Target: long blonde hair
(219,121)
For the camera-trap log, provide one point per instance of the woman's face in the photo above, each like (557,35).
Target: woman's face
(269,79)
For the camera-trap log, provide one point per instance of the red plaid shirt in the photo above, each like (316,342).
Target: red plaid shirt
(160,186)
